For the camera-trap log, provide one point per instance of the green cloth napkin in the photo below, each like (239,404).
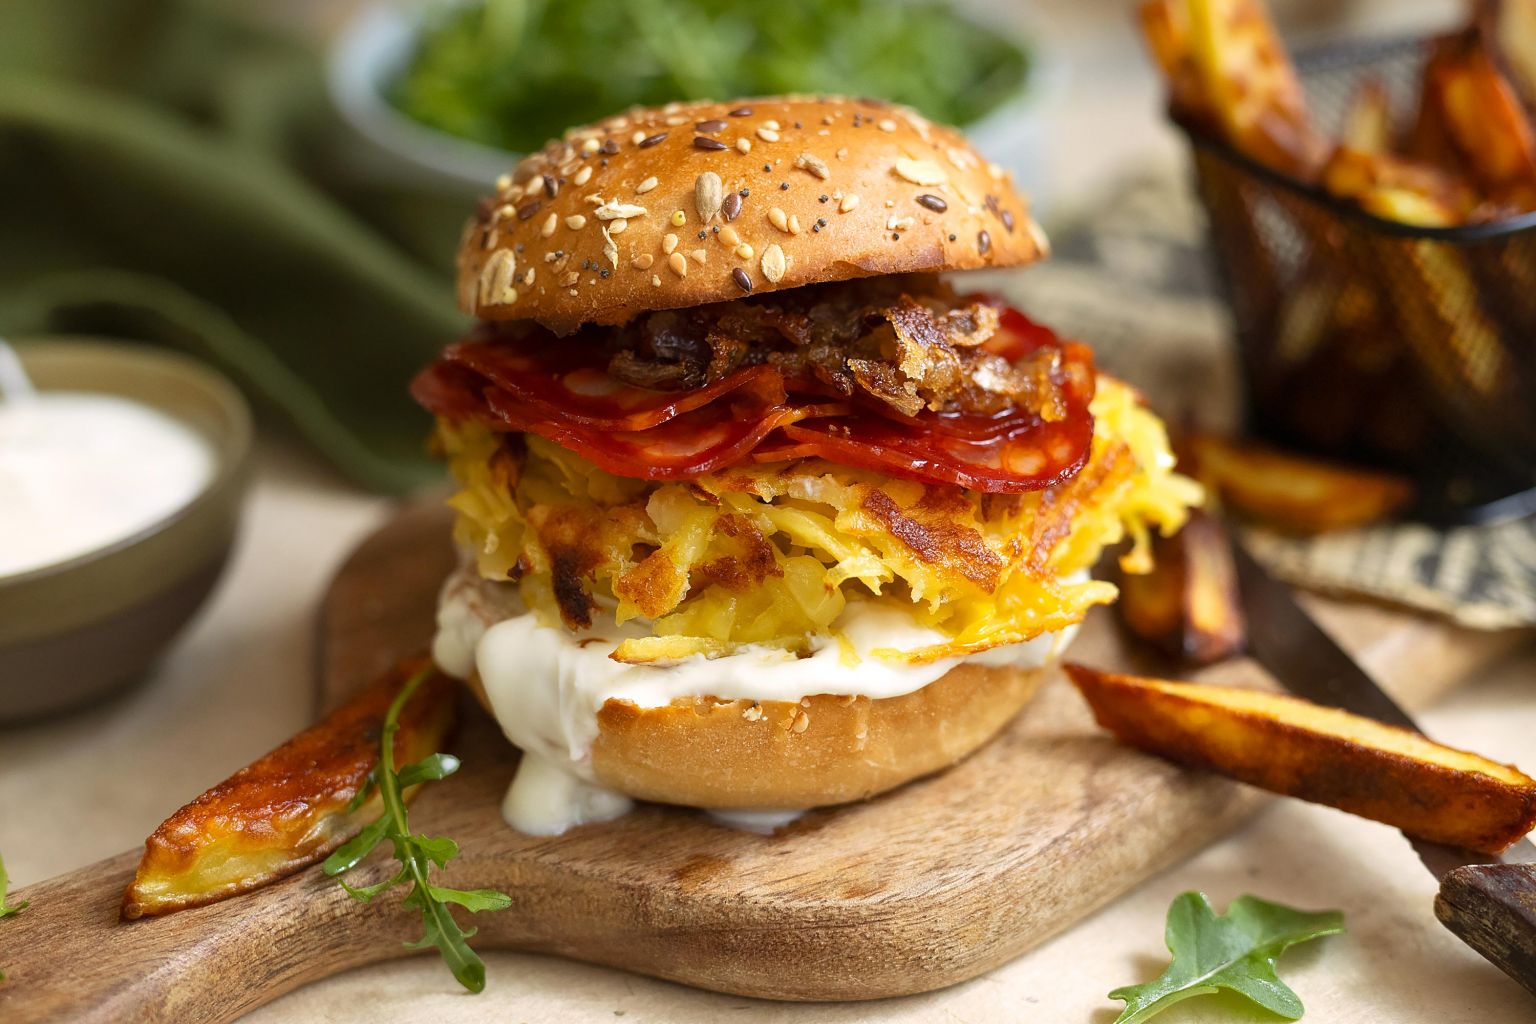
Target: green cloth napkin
(168,174)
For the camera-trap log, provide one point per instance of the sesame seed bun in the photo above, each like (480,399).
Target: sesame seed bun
(605,223)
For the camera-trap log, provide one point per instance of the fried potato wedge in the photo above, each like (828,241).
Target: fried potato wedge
(1226,64)
(1368,119)
(1319,754)
(1188,604)
(1511,24)
(1484,118)
(1291,493)
(289,808)
(1399,189)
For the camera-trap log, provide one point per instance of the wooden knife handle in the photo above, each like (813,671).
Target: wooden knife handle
(1492,908)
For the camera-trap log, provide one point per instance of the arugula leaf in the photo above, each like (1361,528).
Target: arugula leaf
(416,853)
(1234,951)
(7,911)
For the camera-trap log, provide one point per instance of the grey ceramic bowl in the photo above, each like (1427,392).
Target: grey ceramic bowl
(79,629)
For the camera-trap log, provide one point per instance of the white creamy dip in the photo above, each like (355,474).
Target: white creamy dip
(546,684)
(82,471)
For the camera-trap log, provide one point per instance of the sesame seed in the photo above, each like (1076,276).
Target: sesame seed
(774,264)
(886,125)
(575,222)
(503,182)
(983,243)
(646,185)
(582,176)
(637,138)
(932,202)
(744,144)
(813,164)
(708,196)
(794,224)
(744,251)
(651,140)
(643,261)
(679,218)
(710,126)
(699,256)
(676,119)
(742,278)
(729,237)
(550,223)
(528,210)
(617,225)
(771,125)
(678,263)
(768,134)
(589,146)
(668,242)
(704,142)
(849,202)
(921,172)
(741,112)
(778,219)
(730,206)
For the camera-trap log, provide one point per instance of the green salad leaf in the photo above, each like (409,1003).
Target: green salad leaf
(416,853)
(7,910)
(1234,951)
(514,73)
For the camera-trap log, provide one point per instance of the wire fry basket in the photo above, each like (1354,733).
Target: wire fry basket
(1371,341)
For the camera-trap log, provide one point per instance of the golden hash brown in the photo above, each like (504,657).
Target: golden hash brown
(769,553)
(289,808)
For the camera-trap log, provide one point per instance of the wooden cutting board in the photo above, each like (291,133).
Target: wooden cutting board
(924,887)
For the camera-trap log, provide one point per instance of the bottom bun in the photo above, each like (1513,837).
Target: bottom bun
(784,755)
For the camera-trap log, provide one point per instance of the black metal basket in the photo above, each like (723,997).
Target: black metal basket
(1412,349)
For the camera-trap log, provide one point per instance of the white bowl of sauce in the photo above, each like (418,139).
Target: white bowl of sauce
(120,486)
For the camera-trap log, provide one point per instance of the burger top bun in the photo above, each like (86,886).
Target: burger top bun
(694,203)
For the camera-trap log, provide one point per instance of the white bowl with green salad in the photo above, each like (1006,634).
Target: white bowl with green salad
(450,93)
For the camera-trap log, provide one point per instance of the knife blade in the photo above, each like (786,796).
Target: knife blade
(1305,660)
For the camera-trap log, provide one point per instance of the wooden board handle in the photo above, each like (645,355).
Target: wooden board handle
(1492,908)
(69,957)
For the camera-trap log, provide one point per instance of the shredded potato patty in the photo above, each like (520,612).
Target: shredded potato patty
(770,554)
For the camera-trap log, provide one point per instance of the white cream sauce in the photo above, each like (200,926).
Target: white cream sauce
(545,685)
(79,472)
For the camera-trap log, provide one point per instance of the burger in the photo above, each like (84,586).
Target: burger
(759,508)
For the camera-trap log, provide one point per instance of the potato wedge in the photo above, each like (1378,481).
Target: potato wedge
(1511,24)
(1250,85)
(1188,605)
(1484,118)
(1292,493)
(1319,754)
(1368,118)
(1399,189)
(289,808)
